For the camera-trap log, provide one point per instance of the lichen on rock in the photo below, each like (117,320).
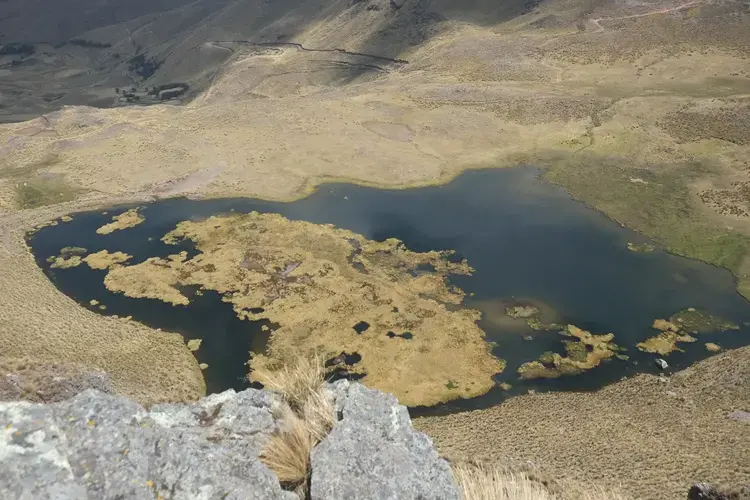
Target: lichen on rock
(317,282)
(374,453)
(100,446)
(96,445)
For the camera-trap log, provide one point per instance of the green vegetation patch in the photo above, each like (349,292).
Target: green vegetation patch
(641,247)
(73,251)
(693,320)
(41,192)
(532,315)
(678,329)
(583,349)
(660,207)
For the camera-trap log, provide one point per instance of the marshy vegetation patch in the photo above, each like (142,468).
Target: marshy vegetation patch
(127,219)
(682,327)
(41,191)
(302,276)
(584,351)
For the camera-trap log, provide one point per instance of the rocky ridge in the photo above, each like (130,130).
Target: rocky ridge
(97,445)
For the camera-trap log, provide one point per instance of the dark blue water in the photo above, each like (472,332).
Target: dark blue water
(524,237)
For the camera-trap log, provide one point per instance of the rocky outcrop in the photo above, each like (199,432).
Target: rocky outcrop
(703,491)
(373,453)
(101,446)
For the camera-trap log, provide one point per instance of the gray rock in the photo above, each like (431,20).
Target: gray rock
(34,455)
(704,491)
(743,416)
(99,446)
(374,453)
(661,363)
(106,447)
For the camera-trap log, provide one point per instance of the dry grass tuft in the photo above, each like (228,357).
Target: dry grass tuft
(306,418)
(296,383)
(287,452)
(493,482)
(482,482)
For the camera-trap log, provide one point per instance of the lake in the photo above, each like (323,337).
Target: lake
(528,241)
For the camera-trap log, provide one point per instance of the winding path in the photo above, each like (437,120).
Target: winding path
(302,48)
(598,20)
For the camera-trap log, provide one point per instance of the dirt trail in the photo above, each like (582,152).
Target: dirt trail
(302,48)
(600,28)
(185,184)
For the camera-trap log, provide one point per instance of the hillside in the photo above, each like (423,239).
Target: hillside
(50,59)
(639,109)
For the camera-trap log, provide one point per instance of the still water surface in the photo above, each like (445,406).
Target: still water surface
(525,238)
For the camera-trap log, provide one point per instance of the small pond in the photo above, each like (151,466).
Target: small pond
(527,240)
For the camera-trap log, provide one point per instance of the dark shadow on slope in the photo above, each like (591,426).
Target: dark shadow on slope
(111,44)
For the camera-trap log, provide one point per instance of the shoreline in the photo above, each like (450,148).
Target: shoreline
(42,215)
(35,217)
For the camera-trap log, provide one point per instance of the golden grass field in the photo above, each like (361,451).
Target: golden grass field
(648,437)
(639,109)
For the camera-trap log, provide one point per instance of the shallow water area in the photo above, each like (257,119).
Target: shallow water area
(527,240)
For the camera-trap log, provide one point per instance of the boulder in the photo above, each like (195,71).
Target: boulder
(97,445)
(743,416)
(101,446)
(661,363)
(703,491)
(374,453)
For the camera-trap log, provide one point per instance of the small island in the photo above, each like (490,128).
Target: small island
(584,351)
(127,219)
(332,291)
(683,326)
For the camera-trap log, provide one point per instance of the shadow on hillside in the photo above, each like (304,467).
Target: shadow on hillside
(104,37)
